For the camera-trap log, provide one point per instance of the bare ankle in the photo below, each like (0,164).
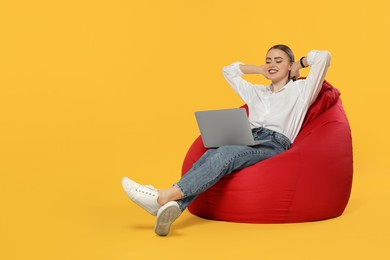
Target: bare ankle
(160,199)
(167,195)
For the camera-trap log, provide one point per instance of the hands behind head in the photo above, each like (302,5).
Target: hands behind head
(294,72)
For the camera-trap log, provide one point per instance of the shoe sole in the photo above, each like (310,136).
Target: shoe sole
(165,218)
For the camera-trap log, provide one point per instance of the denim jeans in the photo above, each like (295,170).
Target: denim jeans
(216,163)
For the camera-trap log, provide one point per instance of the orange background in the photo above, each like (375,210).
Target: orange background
(91,91)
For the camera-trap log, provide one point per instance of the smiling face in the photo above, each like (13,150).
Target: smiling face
(277,66)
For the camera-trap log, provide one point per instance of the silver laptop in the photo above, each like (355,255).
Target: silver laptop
(225,127)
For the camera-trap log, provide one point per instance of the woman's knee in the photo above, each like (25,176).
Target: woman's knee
(227,150)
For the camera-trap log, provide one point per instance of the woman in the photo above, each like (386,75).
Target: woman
(276,112)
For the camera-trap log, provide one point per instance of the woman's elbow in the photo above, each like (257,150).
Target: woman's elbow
(326,57)
(318,57)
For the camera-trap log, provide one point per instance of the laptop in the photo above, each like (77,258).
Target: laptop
(225,127)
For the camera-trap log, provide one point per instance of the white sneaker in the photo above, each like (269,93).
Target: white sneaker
(166,215)
(144,196)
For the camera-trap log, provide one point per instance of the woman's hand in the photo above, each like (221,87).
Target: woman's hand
(295,67)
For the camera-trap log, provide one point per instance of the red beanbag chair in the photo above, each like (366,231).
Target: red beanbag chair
(310,181)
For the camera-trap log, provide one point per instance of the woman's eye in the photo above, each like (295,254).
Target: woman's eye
(267,62)
(279,61)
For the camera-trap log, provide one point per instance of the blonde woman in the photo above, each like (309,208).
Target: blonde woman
(276,112)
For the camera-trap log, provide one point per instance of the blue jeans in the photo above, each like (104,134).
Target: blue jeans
(216,163)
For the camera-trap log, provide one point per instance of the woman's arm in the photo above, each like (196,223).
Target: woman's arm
(296,66)
(252,69)
(319,62)
(233,75)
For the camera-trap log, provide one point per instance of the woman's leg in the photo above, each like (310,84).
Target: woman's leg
(174,193)
(210,168)
(216,164)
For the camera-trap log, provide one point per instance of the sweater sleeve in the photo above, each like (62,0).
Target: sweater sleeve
(233,76)
(319,62)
